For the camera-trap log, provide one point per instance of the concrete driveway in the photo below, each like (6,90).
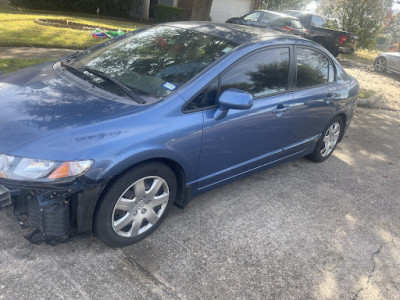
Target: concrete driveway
(298,231)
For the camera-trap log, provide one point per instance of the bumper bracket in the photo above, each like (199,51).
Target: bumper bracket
(5,197)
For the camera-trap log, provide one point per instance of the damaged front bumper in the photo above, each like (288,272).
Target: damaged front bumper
(55,211)
(5,197)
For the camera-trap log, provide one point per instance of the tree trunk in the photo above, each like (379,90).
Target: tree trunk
(201,10)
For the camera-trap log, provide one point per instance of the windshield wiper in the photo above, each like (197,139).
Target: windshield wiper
(102,75)
(72,69)
(80,73)
(123,87)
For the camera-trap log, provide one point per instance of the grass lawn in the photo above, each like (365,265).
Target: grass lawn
(361,56)
(17,29)
(13,64)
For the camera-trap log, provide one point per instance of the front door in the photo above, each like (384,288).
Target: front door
(394,62)
(248,139)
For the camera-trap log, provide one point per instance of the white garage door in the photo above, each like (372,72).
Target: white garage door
(221,10)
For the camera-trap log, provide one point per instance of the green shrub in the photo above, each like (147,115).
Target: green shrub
(165,13)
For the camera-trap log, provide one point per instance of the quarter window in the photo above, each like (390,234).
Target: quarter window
(260,74)
(207,98)
(313,68)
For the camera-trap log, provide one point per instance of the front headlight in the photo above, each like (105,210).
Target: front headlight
(19,168)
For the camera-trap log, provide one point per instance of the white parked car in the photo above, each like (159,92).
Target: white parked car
(389,61)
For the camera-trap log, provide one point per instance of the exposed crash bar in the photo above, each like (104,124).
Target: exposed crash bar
(5,198)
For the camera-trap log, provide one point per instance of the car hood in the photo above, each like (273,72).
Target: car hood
(234,20)
(395,54)
(38,104)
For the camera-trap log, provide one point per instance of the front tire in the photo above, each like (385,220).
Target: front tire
(135,204)
(380,64)
(328,140)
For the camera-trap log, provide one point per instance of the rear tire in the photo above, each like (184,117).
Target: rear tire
(328,140)
(135,204)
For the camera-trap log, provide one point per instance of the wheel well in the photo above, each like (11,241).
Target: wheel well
(344,119)
(343,116)
(180,179)
(175,167)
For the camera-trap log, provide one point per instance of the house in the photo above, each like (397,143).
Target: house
(221,10)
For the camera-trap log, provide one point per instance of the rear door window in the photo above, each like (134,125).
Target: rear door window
(313,68)
(268,17)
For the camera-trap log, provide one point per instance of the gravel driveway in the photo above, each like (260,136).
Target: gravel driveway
(386,85)
(297,231)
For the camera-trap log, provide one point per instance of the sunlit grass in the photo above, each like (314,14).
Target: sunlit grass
(17,29)
(14,64)
(367,54)
(361,56)
(366,93)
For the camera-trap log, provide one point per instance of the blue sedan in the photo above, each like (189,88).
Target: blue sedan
(109,139)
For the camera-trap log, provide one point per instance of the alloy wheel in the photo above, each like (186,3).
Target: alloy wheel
(330,139)
(380,64)
(140,206)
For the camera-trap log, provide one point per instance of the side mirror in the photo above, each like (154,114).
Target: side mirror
(232,99)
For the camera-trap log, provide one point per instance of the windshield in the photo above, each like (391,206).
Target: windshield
(157,61)
(252,16)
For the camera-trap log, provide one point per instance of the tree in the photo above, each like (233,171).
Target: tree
(201,10)
(284,4)
(361,17)
(393,29)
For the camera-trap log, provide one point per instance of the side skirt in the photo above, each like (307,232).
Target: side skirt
(257,169)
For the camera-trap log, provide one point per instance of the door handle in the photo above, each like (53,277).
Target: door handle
(280,109)
(329,98)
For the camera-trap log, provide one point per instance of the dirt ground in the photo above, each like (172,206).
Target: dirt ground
(385,85)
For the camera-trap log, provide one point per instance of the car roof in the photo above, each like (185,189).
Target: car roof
(298,12)
(278,14)
(239,34)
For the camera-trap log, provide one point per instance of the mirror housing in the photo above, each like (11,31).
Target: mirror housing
(233,99)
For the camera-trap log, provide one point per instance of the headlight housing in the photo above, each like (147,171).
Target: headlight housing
(39,170)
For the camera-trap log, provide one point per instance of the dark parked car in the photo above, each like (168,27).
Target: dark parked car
(335,41)
(271,20)
(110,138)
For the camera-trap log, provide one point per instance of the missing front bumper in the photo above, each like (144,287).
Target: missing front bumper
(55,212)
(5,197)
(50,213)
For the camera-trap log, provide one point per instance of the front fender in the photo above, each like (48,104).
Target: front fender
(140,156)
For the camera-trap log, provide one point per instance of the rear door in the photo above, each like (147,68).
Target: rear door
(315,97)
